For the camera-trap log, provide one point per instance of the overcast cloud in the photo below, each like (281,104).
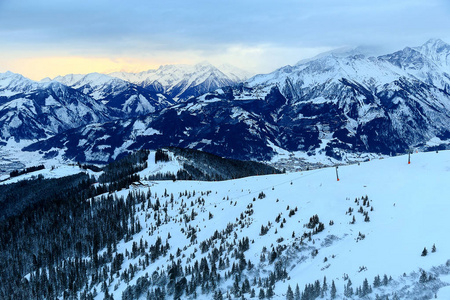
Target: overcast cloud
(257,35)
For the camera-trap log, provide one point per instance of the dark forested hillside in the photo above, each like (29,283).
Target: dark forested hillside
(51,231)
(15,198)
(202,165)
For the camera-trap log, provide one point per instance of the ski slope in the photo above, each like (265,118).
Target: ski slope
(410,208)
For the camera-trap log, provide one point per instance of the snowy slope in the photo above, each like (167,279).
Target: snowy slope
(50,171)
(409,213)
(268,233)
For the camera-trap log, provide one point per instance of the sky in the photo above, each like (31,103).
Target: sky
(46,38)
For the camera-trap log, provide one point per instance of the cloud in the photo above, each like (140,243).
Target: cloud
(214,29)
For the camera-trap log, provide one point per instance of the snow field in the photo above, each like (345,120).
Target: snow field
(409,213)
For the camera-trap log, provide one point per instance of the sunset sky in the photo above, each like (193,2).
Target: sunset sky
(55,37)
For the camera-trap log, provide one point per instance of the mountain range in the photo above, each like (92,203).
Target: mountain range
(338,105)
(184,81)
(116,93)
(34,110)
(333,105)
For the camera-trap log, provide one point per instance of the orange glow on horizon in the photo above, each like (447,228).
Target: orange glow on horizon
(37,68)
(256,59)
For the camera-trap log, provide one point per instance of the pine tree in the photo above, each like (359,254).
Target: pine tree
(270,293)
(423,277)
(377,281)
(385,280)
(425,251)
(348,290)
(236,289)
(333,290)
(324,287)
(365,287)
(262,295)
(297,292)
(289,293)
(317,288)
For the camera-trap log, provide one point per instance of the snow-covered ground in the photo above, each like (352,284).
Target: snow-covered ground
(172,166)
(13,158)
(300,160)
(407,207)
(57,171)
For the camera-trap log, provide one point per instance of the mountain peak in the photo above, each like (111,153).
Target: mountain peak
(9,74)
(437,51)
(434,46)
(183,80)
(435,43)
(363,51)
(78,80)
(12,81)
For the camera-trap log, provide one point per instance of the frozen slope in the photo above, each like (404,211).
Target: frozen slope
(410,209)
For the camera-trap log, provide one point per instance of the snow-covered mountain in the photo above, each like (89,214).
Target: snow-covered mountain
(229,128)
(379,104)
(33,110)
(429,63)
(366,236)
(235,74)
(184,81)
(337,106)
(12,84)
(117,93)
